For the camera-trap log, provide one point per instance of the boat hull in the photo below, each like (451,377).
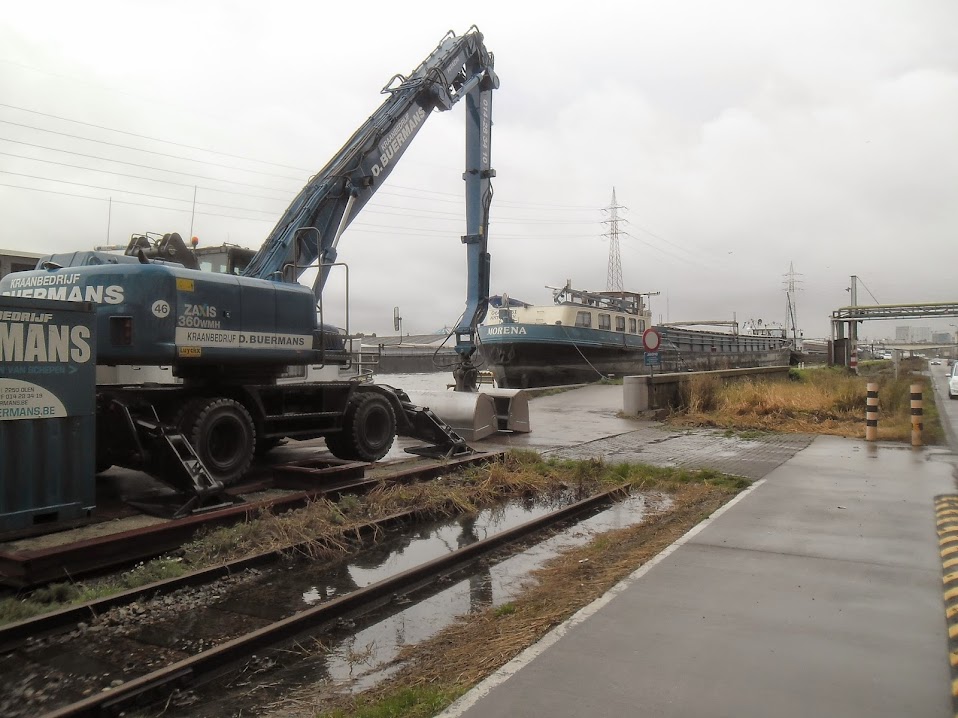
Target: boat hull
(532,355)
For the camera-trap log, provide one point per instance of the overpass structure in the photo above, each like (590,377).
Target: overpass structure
(845,322)
(860,313)
(911,347)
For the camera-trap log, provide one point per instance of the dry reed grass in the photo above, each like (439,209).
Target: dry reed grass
(324,529)
(819,401)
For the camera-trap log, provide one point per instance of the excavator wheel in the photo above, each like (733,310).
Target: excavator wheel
(369,428)
(222,434)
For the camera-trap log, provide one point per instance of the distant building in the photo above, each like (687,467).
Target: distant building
(16,261)
(942,338)
(921,334)
(902,334)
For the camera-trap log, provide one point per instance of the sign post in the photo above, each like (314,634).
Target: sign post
(652,340)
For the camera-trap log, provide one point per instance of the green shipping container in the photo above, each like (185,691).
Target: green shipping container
(47,412)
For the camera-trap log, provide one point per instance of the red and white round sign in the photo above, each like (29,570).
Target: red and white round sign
(651,340)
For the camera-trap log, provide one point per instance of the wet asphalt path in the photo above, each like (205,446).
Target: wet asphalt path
(819,592)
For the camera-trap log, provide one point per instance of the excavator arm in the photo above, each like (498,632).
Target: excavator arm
(312,225)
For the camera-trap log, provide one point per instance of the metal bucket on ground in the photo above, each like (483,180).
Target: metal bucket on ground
(472,416)
(512,408)
(477,415)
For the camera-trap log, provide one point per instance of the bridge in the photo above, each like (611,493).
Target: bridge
(910,347)
(844,346)
(922,310)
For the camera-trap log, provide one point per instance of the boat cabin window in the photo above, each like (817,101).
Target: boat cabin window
(620,324)
(642,326)
(583,319)
(605,321)
(632,326)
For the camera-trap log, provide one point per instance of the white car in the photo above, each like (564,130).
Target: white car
(953,382)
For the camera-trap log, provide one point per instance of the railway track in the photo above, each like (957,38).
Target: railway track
(305,481)
(117,681)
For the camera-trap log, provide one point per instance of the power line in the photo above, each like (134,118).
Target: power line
(388,229)
(148,167)
(451,215)
(388,192)
(499,202)
(126,191)
(664,252)
(154,139)
(148,179)
(151,152)
(869,291)
(130,204)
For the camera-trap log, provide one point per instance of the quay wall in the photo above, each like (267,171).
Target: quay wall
(662,391)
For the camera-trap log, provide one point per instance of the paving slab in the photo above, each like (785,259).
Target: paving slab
(585,423)
(817,593)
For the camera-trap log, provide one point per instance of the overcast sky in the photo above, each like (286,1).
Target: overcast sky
(741,136)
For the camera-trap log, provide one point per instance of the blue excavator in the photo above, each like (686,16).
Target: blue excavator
(230,338)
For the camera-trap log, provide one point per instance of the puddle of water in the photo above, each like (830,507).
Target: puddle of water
(364,658)
(355,656)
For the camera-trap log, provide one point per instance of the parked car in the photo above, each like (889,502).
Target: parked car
(936,362)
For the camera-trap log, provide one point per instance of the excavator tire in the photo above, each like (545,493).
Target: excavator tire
(369,428)
(222,434)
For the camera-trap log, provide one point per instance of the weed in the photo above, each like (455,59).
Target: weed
(825,400)
(348,503)
(19,609)
(504,610)
(700,392)
(413,702)
(56,593)
(611,380)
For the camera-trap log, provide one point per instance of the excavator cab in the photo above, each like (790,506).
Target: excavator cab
(168,248)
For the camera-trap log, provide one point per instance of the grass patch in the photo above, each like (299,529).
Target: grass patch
(826,400)
(612,380)
(413,702)
(55,596)
(505,609)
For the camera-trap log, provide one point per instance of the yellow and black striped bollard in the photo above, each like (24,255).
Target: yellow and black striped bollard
(916,415)
(871,412)
(946,518)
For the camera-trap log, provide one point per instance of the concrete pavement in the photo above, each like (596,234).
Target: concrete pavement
(817,593)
